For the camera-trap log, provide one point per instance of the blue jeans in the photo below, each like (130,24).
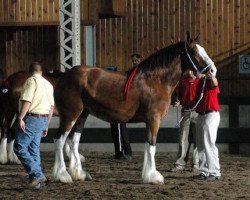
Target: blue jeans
(27,145)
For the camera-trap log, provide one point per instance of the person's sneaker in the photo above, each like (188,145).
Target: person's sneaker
(213,178)
(177,168)
(35,182)
(36,187)
(201,176)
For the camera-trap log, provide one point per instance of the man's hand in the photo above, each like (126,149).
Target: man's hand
(45,132)
(21,125)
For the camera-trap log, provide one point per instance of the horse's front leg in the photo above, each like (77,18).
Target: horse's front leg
(149,172)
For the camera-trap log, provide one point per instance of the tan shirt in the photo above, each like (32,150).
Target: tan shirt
(39,92)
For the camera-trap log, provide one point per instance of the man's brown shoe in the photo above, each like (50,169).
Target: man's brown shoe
(35,182)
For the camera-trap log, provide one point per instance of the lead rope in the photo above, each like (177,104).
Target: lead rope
(201,96)
(193,108)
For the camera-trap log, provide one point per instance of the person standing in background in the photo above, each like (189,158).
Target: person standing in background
(186,92)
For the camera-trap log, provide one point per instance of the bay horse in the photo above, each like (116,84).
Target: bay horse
(11,89)
(87,90)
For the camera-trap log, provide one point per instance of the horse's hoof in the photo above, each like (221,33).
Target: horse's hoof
(82,158)
(88,177)
(63,177)
(154,178)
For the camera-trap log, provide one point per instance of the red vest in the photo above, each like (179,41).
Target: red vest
(209,102)
(186,91)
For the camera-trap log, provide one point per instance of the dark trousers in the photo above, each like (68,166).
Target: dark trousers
(120,139)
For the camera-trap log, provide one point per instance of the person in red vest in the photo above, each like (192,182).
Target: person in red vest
(186,92)
(207,125)
(119,130)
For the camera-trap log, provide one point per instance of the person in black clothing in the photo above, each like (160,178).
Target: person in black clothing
(119,130)
(121,141)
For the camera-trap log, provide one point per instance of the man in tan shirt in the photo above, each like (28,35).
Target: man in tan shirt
(35,111)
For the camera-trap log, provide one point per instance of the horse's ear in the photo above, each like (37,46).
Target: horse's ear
(197,38)
(188,38)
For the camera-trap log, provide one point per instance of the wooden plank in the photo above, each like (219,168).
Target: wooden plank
(11,11)
(134,29)
(197,16)
(129,27)
(84,10)
(237,25)
(145,28)
(139,25)
(209,27)
(34,10)
(188,16)
(33,23)
(242,22)
(156,26)
(40,10)
(161,24)
(150,27)
(214,17)
(45,10)
(124,42)
(118,49)
(203,24)
(23,10)
(231,26)
(171,22)
(28,10)
(103,42)
(220,31)
(109,35)
(93,10)
(177,20)
(192,18)
(1,10)
(182,20)
(247,17)
(56,11)
(166,24)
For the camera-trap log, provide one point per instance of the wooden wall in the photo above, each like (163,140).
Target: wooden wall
(28,30)
(150,24)
(19,47)
(32,11)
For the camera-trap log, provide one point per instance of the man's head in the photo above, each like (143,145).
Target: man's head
(188,73)
(35,68)
(136,59)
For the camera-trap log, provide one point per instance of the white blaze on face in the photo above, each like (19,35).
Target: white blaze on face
(203,54)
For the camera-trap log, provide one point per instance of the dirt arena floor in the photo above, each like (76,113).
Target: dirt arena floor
(116,179)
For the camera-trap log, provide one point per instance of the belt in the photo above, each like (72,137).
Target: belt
(206,112)
(37,115)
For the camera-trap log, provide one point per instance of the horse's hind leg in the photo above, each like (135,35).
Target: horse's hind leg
(59,170)
(11,138)
(3,148)
(149,172)
(67,151)
(75,167)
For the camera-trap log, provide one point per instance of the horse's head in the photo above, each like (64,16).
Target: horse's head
(195,56)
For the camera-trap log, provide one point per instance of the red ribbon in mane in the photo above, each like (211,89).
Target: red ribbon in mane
(128,82)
